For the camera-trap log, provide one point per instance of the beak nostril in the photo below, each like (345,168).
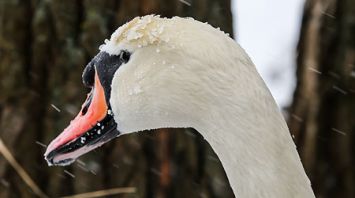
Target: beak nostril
(85,110)
(86,105)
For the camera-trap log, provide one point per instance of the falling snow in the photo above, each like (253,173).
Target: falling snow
(329,15)
(339,89)
(69,173)
(314,70)
(55,107)
(338,131)
(80,162)
(296,117)
(83,168)
(41,144)
(185,2)
(4,182)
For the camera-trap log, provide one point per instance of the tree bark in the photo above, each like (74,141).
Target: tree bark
(322,116)
(44,46)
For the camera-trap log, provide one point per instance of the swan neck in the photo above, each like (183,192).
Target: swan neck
(257,152)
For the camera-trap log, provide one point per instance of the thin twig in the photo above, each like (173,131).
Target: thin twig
(102,193)
(23,174)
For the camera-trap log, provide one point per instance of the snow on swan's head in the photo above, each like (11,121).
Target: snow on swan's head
(169,78)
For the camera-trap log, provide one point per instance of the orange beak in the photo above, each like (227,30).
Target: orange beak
(86,129)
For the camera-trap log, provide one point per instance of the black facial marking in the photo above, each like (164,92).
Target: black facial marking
(106,66)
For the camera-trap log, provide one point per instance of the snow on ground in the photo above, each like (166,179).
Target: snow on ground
(268,31)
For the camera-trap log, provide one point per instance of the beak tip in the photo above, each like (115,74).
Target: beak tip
(48,160)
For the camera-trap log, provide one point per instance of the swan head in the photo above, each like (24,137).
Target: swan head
(153,73)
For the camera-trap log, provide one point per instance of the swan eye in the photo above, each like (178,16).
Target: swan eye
(124,56)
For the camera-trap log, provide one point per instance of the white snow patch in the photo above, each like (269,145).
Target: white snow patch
(141,31)
(133,35)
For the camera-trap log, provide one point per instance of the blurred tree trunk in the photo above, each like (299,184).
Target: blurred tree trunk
(323,112)
(44,46)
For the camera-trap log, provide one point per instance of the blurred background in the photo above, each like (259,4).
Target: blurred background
(304,49)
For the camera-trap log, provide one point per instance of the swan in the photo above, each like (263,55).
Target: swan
(178,72)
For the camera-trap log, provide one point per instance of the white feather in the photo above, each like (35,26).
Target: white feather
(184,73)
